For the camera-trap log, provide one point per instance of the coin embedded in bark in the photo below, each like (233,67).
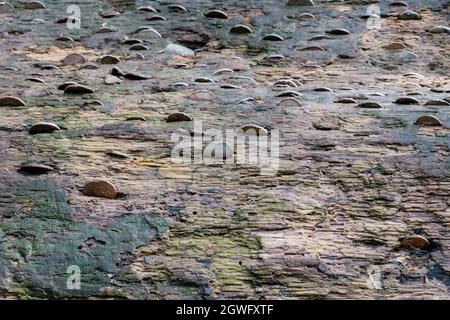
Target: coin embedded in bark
(412,84)
(274,58)
(100,188)
(338,32)
(440,90)
(246,100)
(180,84)
(108,59)
(35,168)
(406,100)
(11,102)
(414,94)
(312,48)
(300,3)
(118,154)
(346,100)
(203,80)
(409,15)
(66,84)
(229,86)
(370,16)
(135,76)
(320,37)
(399,4)
(136,118)
(289,102)
(306,16)
(254,129)
(407,56)
(6,7)
(176,49)
(65,39)
(345,56)
(223,70)
(179,116)
(139,47)
(47,66)
(66,19)
(74,58)
(177,8)
(34,5)
(43,127)
(136,56)
(437,103)
(39,80)
(273,37)
(395,46)
(107,29)
(109,14)
(156,18)
(285,83)
(88,66)
(370,105)
(93,103)
(117,72)
(147,9)
(202,95)
(289,93)
(427,120)
(241,29)
(218,14)
(322,89)
(244,79)
(147,31)
(132,41)
(78,89)
(110,79)
(415,242)
(440,29)
(144,28)
(326,126)
(413,75)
